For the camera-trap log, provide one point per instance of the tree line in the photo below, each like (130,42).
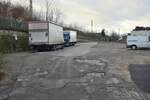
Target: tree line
(22,13)
(19,12)
(102,36)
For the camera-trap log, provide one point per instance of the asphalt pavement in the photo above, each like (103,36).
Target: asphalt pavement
(87,71)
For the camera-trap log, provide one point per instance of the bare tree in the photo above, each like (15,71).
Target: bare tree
(53,14)
(5,6)
(58,15)
(40,15)
(17,12)
(47,9)
(114,36)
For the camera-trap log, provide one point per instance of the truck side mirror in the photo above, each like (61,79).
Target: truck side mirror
(46,34)
(149,38)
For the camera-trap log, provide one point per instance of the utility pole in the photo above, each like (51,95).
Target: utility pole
(92,23)
(31,8)
(47,10)
(119,31)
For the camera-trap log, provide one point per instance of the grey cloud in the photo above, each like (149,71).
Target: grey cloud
(110,13)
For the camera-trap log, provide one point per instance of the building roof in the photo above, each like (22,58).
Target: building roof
(44,22)
(141,28)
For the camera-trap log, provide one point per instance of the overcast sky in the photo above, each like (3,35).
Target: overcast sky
(108,14)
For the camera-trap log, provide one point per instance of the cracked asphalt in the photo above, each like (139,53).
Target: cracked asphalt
(87,71)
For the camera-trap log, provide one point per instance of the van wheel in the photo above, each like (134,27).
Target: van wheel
(134,47)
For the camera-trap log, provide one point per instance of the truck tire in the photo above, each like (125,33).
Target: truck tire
(62,46)
(54,47)
(33,49)
(133,47)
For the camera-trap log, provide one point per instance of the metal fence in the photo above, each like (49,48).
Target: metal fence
(8,23)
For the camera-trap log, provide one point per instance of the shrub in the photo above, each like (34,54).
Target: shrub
(8,44)
(22,43)
(2,72)
(1,62)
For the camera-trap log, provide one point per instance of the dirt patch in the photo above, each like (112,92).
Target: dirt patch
(2,76)
(124,67)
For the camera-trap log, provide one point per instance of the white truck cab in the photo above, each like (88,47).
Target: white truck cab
(136,41)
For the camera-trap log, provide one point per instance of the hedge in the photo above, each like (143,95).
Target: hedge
(8,44)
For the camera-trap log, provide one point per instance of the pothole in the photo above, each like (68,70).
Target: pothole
(88,78)
(113,81)
(92,62)
(90,65)
(98,75)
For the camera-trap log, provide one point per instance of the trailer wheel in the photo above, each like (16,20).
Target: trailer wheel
(133,47)
(33,49)
(62,47)
(54,48)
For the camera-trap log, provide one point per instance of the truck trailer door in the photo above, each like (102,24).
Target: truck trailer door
(38,37)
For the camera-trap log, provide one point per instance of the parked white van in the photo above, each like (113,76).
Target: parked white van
(135,42)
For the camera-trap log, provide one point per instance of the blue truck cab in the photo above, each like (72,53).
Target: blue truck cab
(66,39)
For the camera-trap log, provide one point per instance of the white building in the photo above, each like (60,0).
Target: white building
(141,33)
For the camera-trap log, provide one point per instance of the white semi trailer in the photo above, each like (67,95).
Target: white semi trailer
(72,40)
(45,35)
